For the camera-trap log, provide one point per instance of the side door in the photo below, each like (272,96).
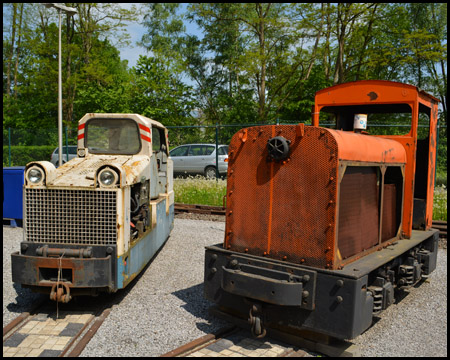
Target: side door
(160,151)
(179,156)
(197,158)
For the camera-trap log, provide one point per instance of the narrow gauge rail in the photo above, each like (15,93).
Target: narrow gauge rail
(236,340)
(48,331)
(232,341)
(219,210)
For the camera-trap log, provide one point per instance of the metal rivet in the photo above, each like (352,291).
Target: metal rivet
(339,299)
(340,283)
(213,270)
(306,278)
(305,293)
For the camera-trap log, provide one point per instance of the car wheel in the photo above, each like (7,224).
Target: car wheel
(210,172)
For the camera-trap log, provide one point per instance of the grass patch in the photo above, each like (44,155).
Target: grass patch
(200,191)
(440,203)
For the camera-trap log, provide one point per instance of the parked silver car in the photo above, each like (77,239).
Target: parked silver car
(72,154)
(199,159)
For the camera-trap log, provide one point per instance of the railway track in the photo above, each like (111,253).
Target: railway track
(219,210)
(232,341)
(51,332)
(236,341)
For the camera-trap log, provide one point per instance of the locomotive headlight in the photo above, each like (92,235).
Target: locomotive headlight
(35,175)
(107,177)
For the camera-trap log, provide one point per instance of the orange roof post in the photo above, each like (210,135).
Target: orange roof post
(373,94)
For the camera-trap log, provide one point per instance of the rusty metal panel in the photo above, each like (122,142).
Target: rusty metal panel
(358,211)
(283,210)
(389,220)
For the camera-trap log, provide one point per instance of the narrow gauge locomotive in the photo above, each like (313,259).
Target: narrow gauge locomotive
(93,224)
(322,224)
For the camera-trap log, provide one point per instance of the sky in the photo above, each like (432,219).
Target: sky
(136,30)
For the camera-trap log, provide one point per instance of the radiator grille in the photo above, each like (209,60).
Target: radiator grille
(71,216)
(358,211)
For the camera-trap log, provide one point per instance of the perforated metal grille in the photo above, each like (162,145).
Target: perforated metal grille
(285,210)
(358,211)
(71,216)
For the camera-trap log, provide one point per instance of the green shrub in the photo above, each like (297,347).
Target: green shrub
(440,203)
(441,178)
(21,155)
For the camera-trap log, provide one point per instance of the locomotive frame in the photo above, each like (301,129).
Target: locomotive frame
(93,224)
(323,225)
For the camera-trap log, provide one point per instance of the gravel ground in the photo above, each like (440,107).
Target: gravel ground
(165,308)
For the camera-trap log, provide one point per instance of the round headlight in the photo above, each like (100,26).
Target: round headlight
(107,177)
(35,175)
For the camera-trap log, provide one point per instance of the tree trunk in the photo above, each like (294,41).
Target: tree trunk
(13,35)
(262,50)
(16,71)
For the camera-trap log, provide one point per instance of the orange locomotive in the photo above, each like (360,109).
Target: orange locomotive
(322,225)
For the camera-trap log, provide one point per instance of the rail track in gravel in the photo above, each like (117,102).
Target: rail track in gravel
(48,330)
(219,210)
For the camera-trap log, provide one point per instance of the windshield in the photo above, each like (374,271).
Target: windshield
(112,136)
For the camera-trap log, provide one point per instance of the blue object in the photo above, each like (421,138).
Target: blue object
(13,193)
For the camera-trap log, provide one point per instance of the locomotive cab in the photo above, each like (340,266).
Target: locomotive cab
(92,224)
(319,221)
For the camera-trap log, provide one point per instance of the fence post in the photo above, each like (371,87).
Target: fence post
(217,152)
(67,144)
(9,146)
(437,150)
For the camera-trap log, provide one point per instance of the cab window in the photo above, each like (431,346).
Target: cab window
(158,142)
(112,136)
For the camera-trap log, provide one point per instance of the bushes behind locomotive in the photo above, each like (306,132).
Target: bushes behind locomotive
(440,203)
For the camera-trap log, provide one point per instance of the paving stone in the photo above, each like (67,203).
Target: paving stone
(71,329)
(15,340)
(50,353)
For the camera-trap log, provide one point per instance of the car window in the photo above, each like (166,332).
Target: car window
(180,151)
(223,150)
(195,150)
(201,150)
(208,150)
